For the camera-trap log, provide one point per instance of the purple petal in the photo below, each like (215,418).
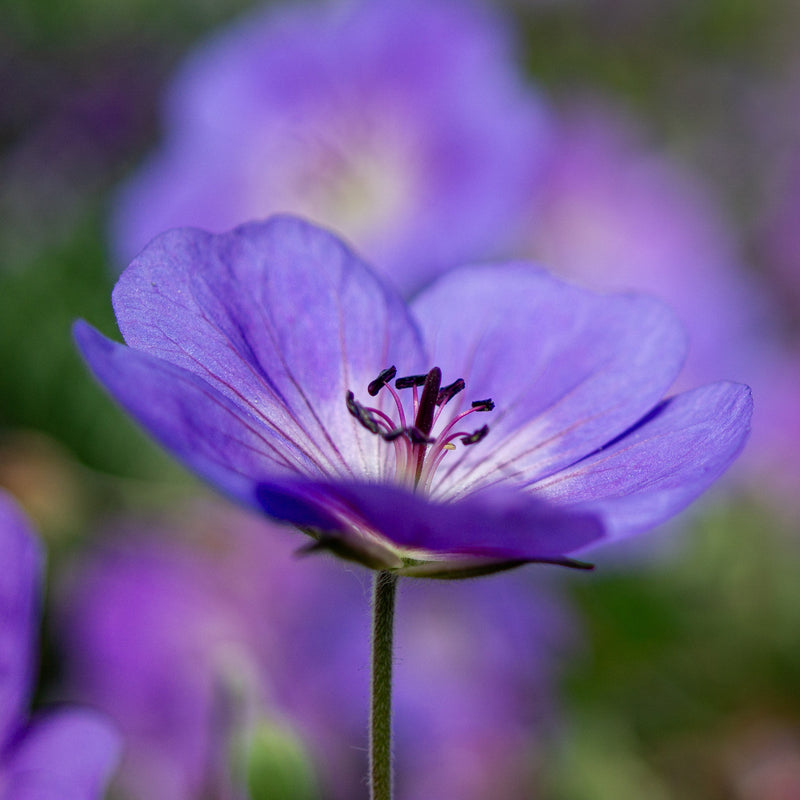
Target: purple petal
(208,432)
(20,567)
(390,121)
(615,214)
(568,369)
(151,642)
(280,319)
(67,755)
(662,464)
(491,524)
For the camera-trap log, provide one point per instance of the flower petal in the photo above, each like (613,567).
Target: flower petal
(499,523)
(568,369)
(211,434)
(66,755)
(662,464)
(21,562)
(282,319)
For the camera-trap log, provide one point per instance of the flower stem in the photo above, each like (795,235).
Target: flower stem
(380,723)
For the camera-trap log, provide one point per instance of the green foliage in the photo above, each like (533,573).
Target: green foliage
(277,766)
(683,656)
(45,386)
(57,22)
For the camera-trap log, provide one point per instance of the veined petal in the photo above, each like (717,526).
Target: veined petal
(652,471)
(66,755)
(20,567)
(568,369)
(221,440)
(501,523)
(279,317)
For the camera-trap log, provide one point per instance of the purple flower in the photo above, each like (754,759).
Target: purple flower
(165,627)
(778,456)
(154,640)
(526,421)
(616,215)
(64,755)
(400,124)
(781,235)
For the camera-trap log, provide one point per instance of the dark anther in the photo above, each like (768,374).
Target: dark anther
(475,436)
(409,381)
(381,381)
(483,405)
(413,434)
(447,393)
(427,401)
(361,414)
(416,436)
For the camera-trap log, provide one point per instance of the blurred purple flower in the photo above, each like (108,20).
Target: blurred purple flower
(166,628)
(400,124)
(63,755)
(779,369)
(780,237)
(155,642)
(616,215)
(247,349)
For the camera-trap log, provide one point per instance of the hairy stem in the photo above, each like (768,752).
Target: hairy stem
(380,723)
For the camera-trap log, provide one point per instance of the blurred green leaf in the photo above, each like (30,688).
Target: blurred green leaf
(44,384)
(278,766)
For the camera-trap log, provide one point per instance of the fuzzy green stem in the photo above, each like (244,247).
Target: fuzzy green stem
(380,722)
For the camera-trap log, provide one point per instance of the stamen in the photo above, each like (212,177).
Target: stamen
(412,433)
(398,404)
(410,380)
(385,376)
(418,453)
(475,436)
(416,436)
(361,414)
(447,393)
(380,417)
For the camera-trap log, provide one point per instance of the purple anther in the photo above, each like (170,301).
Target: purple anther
(385,376)
(361,414)
(475,436)
(447,393)
(409,381)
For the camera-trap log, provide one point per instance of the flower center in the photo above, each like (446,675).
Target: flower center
(417,453)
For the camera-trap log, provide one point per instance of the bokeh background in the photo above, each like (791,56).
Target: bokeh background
(664,154)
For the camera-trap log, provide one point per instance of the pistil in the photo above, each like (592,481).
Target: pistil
(425,414)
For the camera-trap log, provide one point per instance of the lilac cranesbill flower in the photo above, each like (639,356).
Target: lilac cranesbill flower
(66,754)
(179,633)
(505,417)
(393,123)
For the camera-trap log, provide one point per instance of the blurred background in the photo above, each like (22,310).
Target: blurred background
(648,145)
